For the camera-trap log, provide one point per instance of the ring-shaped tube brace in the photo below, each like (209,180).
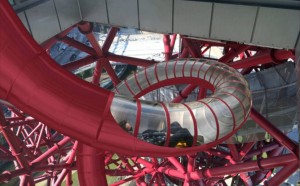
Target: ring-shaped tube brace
(211,118)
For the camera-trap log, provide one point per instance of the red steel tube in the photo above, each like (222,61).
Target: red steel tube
(167,47)
(262,58)
(275,132)
(50,42)
(109,39)
(234,52)
(184,53)
(8,175)
(184,93)
(52,150)
(70,160)
(80,63)
(246,148)
(15,147)
(79,45)
(172,44)
(130,60)
(86,28)
(191,48)
(177,164)
(110,71)
(97,72)
(283,174)
(245,167)
(90,164)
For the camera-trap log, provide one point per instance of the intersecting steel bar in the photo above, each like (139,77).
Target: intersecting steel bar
(16,148)
(109,39)
(167,47)
(263,57)
(283,174)
(183,94)
(79,63)
(234,52)
(80,46)
(52,150)
(130,60)
(274,132)
(245,167)
(90,164)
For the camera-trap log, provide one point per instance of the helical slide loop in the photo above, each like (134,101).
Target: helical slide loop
(201,121)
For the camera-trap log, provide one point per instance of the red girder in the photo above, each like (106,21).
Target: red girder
(91,160)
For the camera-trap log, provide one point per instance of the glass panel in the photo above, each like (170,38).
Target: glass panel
(179,67)
(151,75)
(221,78)
(235,106)
(225,117)
(206,122)
(124,112)
(142,79)
(196,69)
(161,71)
(170,69)
(238,85)
(203,70)
(209,72)
(131,81)
(182,126)
(187,68)
(198,111)
(153,123)
(241,96)
(216,74)
(122,89)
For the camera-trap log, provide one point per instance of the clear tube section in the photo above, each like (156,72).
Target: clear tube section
(210,118)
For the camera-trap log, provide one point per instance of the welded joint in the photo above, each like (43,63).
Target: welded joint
(273,57)
(85,27)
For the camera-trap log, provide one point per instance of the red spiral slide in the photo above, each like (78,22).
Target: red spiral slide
(34,83)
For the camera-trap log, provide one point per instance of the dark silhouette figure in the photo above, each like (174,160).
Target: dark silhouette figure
(179,134)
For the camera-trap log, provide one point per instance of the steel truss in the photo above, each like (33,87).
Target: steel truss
(39,153)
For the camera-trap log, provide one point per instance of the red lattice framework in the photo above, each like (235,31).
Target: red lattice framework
(33,152)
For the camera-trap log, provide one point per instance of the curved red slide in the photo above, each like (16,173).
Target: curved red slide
(33,82)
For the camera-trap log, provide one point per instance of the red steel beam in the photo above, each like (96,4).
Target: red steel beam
(234,52)
(184,93)
(167,47)
(50,42)
(263,57)
(282,175)
(51,151)
(90,165)
(79,45)
(79,63)
(184,53)
(268,163)
(16,148)
(109,39)
(191,48)
(130,60)
(70,160)
(87,29)
(8,175)
(97,72)
(274,132)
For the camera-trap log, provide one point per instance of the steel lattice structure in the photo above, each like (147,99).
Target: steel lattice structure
(59,124)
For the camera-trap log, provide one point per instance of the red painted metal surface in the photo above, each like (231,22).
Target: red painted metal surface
(37,86)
